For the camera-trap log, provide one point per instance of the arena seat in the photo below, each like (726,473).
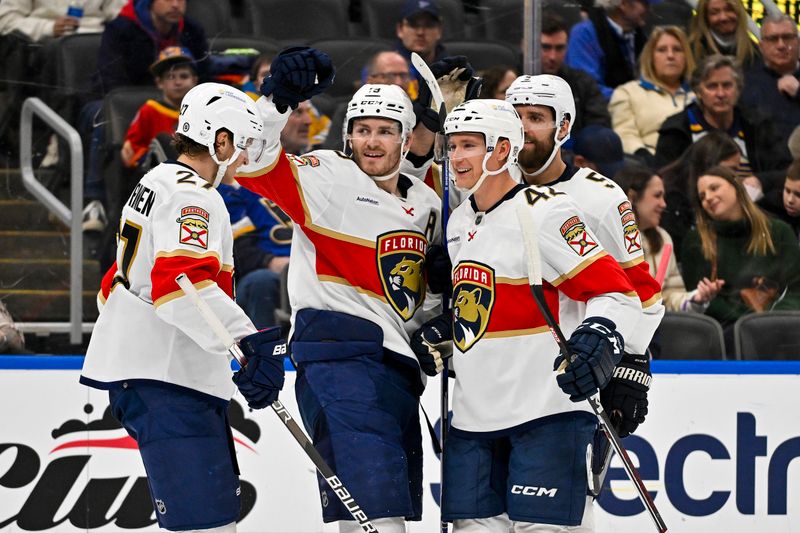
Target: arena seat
(690,336)
(503,19)
(293,22)
(214,17)
(773,335)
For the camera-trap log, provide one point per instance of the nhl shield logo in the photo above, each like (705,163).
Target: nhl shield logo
(473,298)
(401,258)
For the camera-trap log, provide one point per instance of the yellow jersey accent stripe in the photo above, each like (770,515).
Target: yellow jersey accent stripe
(515,332)
(174,295)
(342,281)
(578,269)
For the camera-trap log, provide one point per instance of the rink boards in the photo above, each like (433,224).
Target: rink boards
(718,452)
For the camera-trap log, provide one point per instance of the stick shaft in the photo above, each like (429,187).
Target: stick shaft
(327,472)
(535,276)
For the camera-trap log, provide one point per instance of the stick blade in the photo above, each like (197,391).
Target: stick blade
(430,80)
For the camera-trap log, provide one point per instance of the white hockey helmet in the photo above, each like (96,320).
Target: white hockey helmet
(495,120)
(547,90)
(210,107)
(381,101)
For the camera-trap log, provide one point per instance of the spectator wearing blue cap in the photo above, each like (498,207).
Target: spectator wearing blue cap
(420,30)
(600,149)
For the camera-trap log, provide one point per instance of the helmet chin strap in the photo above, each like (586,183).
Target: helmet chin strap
(556,145)
(222,166)
(484,174)
(393,173)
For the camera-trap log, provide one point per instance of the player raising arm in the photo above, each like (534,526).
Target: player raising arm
(356,283)
(547,109)
(168,376)
(513,430)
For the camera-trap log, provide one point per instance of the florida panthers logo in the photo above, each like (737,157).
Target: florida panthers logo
(401,257)
(473,292)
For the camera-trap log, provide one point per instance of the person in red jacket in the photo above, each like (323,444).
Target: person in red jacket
(175,73)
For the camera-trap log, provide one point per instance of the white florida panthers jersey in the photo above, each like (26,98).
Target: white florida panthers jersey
(356,248)
(174,222)
(503,350)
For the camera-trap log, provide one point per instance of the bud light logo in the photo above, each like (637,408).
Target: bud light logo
(82,479)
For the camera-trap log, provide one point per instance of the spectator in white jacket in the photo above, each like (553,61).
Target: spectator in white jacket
(639,107)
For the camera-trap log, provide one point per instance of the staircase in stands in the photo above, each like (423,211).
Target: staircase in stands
(34,265)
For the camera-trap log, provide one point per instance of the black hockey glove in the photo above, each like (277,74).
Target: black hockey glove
(439,270)
(597,348)
(626,393)
(297,74)
(432,343)
(262,379)
(446,71)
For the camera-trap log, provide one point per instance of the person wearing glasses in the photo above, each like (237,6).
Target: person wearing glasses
(773,86)
(420,30)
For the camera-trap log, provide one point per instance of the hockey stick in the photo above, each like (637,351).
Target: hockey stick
(438,101)
(535,279)
(330,476)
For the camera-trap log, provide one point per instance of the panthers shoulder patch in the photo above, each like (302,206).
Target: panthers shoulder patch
(193,222)
(630,229)
(574,232)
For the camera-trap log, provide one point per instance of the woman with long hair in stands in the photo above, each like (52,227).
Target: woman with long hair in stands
(645,190)
(720,27)
(758,257)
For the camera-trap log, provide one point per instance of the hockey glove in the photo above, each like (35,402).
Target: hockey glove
(626,393)
(297,74)
(439,270)
(432,343)
(262,379)
(597,348)
(455,76)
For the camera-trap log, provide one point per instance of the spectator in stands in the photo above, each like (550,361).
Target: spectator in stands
(39,20)
(639,107)
(295,134)
(132,41)
(420,30)
(607,44)
(590,104)
(390,68)
(757,257)
(496,80)
(174,73)
(717,82)
(600,149)
(785,204)
(29,36)
(258,72)
(773,85)
(720,27)
(645,190)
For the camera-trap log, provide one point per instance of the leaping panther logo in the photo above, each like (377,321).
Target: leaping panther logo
(474,298)
(401,257)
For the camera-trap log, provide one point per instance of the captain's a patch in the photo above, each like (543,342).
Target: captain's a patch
(574,232)
(193,224)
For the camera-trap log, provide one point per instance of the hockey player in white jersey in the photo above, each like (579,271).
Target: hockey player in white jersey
(168,376)
(547,108)
(516,453)
(356,285)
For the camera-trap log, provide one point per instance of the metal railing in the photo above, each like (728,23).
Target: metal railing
(69,216)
